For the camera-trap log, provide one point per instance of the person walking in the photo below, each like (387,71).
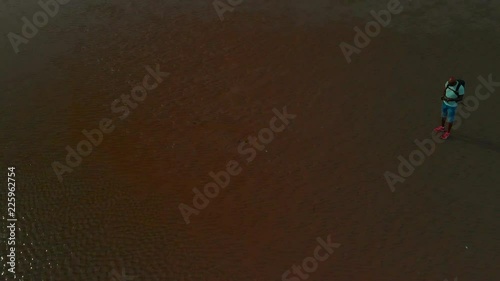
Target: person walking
(453,93)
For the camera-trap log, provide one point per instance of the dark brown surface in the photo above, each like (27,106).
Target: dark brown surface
(323,175)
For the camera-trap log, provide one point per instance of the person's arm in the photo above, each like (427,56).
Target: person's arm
(443,97)
(459,99)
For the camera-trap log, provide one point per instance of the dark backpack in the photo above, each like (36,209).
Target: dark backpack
(461,83)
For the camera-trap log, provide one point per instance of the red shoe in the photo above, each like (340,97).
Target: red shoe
(445,135)
(439,129)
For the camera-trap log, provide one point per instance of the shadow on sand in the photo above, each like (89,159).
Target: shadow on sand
(485,144)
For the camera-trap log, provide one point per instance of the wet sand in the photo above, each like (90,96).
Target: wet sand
(323,175)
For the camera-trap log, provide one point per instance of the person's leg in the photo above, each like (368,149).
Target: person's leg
(451,117)
(444,113)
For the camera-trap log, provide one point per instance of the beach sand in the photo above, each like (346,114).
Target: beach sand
(323,175)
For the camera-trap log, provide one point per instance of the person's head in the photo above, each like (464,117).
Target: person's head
(452,81)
